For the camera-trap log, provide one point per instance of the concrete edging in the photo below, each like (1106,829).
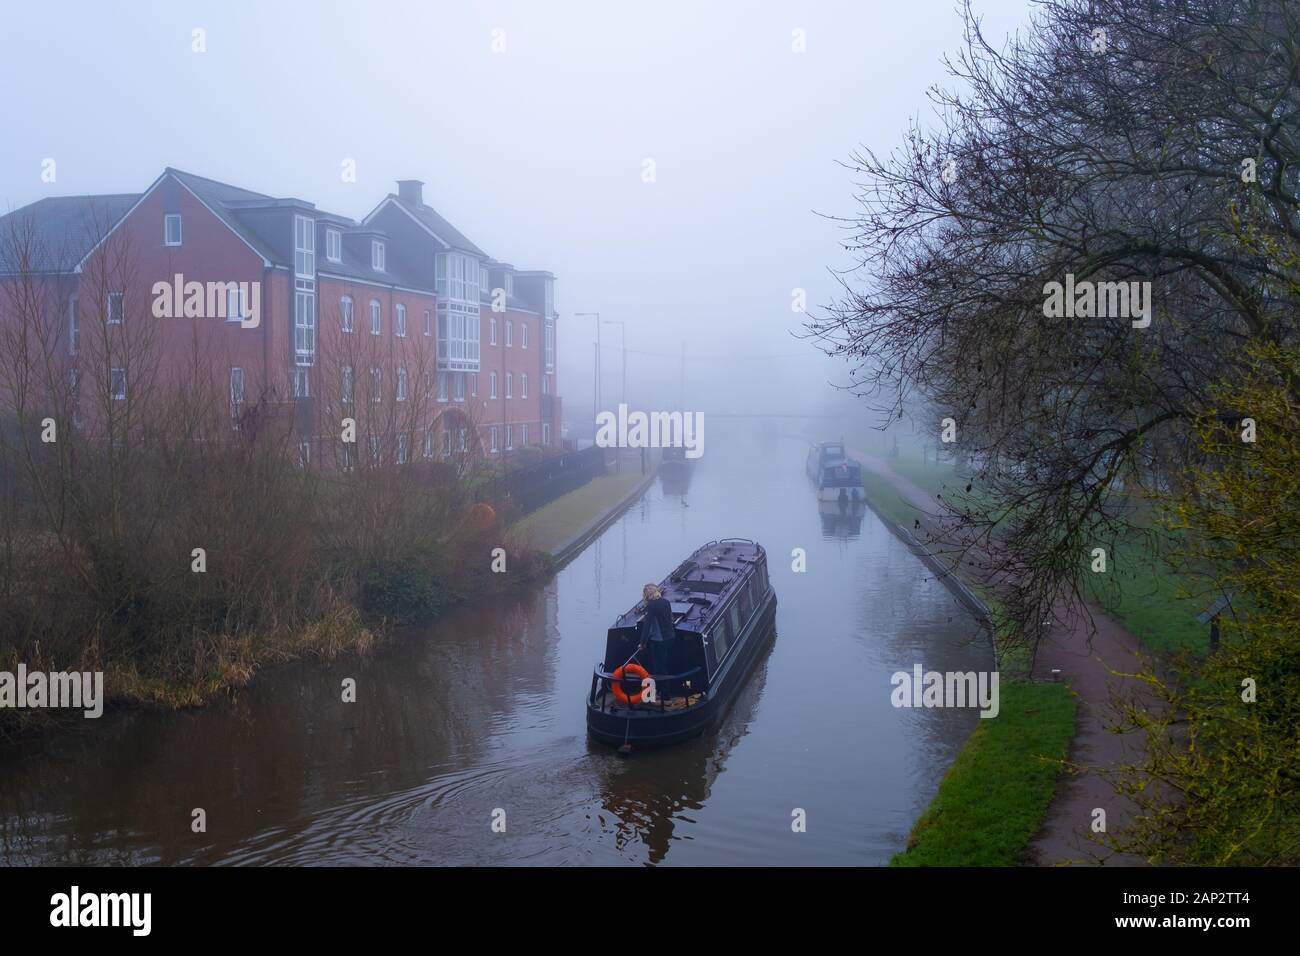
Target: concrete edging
(571,549)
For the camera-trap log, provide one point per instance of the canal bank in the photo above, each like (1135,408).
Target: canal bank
(995,798)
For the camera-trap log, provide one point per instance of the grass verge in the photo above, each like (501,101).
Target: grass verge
(994,797)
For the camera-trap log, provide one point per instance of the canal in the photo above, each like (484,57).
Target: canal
(481,717)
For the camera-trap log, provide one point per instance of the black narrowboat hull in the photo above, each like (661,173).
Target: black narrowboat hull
(645,726)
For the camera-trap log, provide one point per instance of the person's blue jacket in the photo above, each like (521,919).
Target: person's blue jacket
(657,625)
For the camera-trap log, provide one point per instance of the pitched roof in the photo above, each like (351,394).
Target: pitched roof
(61,229)
(224,200)
(440,227)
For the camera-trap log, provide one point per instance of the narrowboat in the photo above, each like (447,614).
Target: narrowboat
(837,476)
(723,609)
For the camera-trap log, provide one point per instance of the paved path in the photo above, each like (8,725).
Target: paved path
(1086,653)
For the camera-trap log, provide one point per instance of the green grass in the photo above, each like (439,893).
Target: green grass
(994,797)
(1152,601)
(558,522)
(882,495)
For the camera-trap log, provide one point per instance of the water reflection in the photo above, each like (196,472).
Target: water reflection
(484,713)
(841,519)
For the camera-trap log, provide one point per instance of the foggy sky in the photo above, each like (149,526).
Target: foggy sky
(536,153)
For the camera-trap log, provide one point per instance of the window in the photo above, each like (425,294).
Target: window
(400,321)
(301,386)
(117,384)
(523,434)
(304,322)
(548,309)
(74,399)
(483,282)
(403,447)
(548,344)
(345,314)
(347,387)
(428,322)
(442,386)
(376,322)
(456,279)
(546,385)
(546,433)
(236,392)
(401,384)
(428,444)
(333,245)
(510,384)
(510,328)
(492,379)
(304,247)
(74,325)
(492,438)
(349,456)
(116,308)
(473,384)
(234,305)
(735,620)
(492,331)
(510,284)
(523,385)
(376,255)
(172,229)
(523,335)
(376,384)
(458,386)
(510,441)
(720,640)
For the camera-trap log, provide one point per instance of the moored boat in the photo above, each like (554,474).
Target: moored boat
(723,608)
(837,476)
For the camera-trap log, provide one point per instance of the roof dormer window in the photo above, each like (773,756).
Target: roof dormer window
(376,255)
(333,245)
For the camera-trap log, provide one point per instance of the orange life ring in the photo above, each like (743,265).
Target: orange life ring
(616,683)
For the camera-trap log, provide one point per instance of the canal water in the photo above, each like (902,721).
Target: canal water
(480,718)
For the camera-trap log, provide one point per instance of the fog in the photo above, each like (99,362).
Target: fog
(674,164)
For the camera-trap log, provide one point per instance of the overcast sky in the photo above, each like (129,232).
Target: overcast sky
(537,152)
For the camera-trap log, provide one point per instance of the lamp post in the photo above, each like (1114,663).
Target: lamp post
(595,390)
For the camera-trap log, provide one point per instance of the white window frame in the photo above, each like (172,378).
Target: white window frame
(115,376)
(301,383)
(403,447)
(510,438)
(401,384)
(234,305)
(492,439)
(492,381)
(376,385)
(347,314)
(428,322)
(168,218)
(304,247)
(376,317)
(399,323)
(523,384)
(523,434)
(442,386)
(333,245)
(377,255)
(492,331)
(510,385)
(510,334)
(458,387)
(120,297)
(523,334)
(347,385)
(510,284)
(74,323)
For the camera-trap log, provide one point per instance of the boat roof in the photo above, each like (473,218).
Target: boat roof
(703,582)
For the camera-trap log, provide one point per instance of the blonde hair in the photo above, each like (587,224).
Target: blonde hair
(651,591)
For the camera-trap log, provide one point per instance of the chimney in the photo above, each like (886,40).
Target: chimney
(411,191)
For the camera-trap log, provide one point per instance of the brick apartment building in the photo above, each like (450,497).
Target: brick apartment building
(398,322)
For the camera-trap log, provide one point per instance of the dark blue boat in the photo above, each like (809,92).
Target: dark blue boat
(723,609)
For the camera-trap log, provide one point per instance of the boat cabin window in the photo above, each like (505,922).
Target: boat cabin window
(746,599)
(705,587)
(721,640)
(735,618)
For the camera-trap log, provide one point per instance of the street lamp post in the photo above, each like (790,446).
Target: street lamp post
(595,389)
